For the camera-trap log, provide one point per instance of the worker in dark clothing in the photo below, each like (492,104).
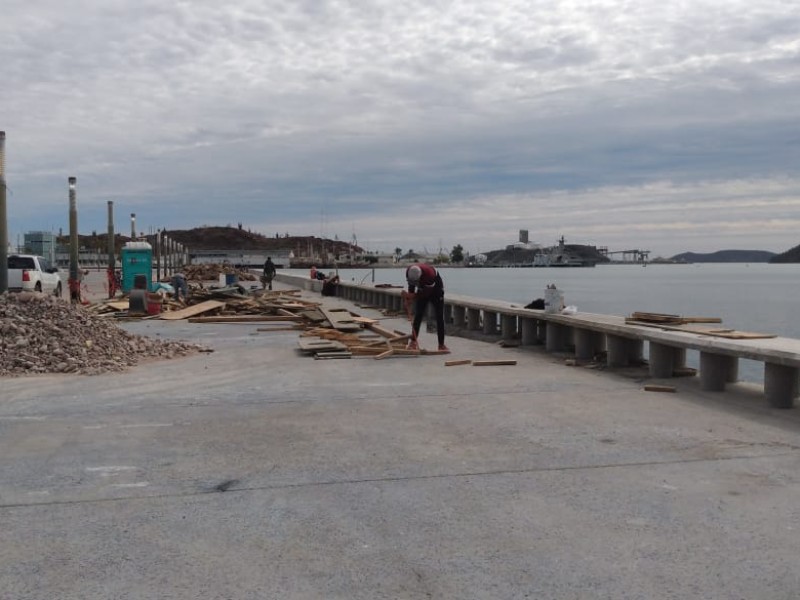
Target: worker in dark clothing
(269,274)
(180,286)
(426,285)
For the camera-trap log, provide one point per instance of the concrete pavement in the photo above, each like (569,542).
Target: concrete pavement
(254,472)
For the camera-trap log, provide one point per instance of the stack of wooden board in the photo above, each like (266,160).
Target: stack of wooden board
(692,325)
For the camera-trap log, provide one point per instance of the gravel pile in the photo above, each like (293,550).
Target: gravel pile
(42,334)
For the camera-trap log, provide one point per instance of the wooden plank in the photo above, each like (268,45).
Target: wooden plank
(732,334)
(310,345)
(651,387)
(313,315)
(245,319)
(455,363)
(331,355)
(493,363)
(701,319)
(117,305)
(340,318)
(265,329)
(364,320)
(684,372)
(387,333)
(192,311)
(381,342)
(744,335)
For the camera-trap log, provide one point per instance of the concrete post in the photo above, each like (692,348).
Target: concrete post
(489,322)
(508,327)
(679,358)
(448,313)
(74,283)
(587,343)
(541,331)
(112,260)
(3,217)
(459,316)
(781,385)
(473,319)
(527,332)
(556,338)
(617,351)
(158,255)
(732,375)
(714,371)
(662,360)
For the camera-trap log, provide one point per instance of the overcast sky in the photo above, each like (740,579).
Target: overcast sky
(669,125)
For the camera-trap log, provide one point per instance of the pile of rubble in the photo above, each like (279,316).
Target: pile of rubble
(43,334)
(211,272)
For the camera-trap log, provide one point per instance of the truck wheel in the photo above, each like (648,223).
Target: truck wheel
(57,292)
(38,287)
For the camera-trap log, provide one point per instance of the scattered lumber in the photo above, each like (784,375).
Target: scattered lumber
(245,319)
(340,318)
(493,363)
(455,363)
(684,372)
(637,318)
(331,355)
(652,387)
(191,311)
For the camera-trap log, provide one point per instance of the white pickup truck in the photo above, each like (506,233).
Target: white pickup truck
(31,273)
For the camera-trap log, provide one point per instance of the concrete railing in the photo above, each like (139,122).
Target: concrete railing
(588,335)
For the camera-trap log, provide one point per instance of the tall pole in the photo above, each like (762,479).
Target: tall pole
(158,255)
(74,279)
(133,227)
(165,241)
(3,217)
(112,261)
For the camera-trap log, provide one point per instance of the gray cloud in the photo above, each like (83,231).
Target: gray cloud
(411,121)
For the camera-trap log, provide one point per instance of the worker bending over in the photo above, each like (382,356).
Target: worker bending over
(426,285)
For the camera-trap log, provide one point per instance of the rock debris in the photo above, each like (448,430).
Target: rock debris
(43,334)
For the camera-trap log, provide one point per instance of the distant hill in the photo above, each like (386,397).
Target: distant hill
(790,256)
(228,238)
(726,256)
(233,238)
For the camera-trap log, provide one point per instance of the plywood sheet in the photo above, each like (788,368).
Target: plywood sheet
(340,318)
(192,311)
(318,345)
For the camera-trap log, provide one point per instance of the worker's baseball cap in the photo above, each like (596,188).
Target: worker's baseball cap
(413,274)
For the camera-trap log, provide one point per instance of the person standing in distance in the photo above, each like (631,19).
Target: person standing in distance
(426,285)
(269,274)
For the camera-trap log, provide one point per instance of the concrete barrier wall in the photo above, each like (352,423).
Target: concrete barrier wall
(590,335)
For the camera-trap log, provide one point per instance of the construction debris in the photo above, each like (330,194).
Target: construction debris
(666,319)
(493,363)
(43,334)
(455,363)
(689,325)
(211,272)
(652,387)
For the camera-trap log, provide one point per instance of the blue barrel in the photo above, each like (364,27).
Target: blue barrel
(231,279)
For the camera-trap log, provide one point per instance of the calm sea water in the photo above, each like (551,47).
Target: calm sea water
(751,297)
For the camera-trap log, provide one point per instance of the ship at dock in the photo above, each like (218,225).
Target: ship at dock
(560,256)
(530,254)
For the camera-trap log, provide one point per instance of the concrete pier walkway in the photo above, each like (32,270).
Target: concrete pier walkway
(254,472)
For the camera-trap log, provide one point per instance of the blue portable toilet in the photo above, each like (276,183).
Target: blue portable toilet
(137,262)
